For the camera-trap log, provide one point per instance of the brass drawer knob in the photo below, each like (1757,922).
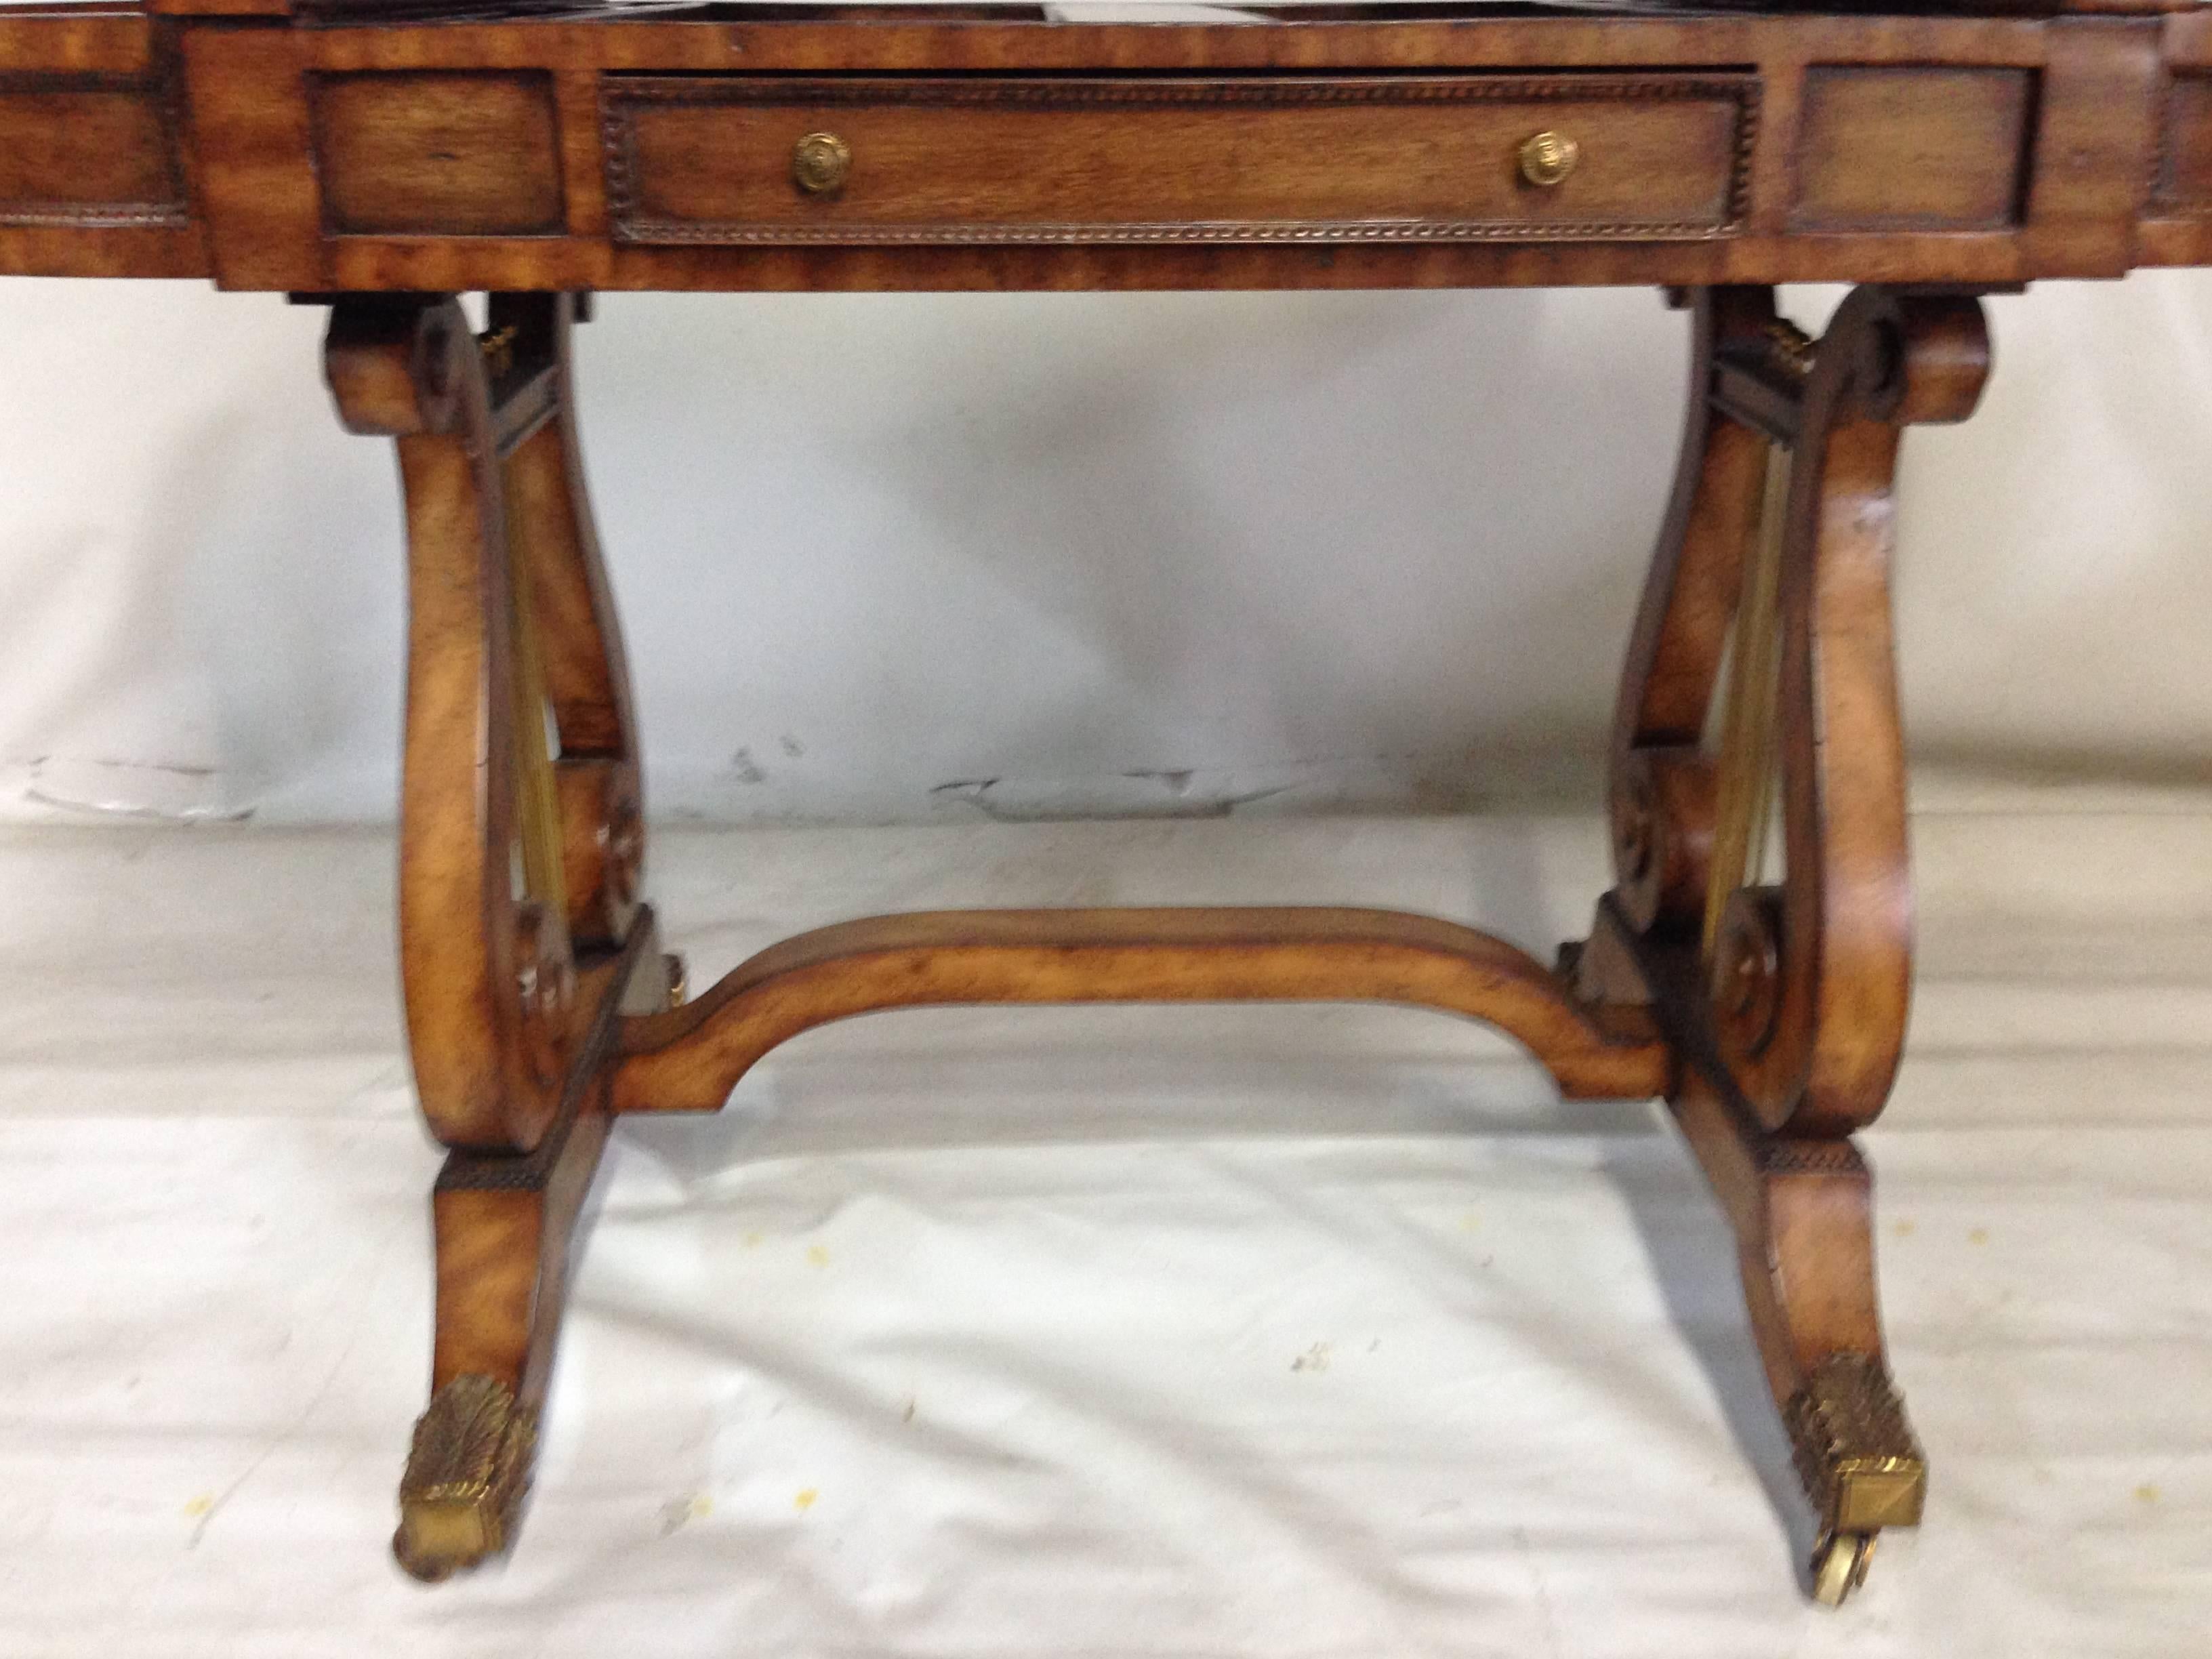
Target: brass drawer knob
(819,162)
(1546,158)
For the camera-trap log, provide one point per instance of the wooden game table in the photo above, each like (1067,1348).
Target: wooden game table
(1752,962)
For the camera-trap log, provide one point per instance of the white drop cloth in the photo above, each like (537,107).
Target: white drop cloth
(1115,1331)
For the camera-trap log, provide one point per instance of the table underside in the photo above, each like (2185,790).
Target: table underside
(1325,148)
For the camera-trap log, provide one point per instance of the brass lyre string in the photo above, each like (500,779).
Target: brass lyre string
(537,803)
(1743,812)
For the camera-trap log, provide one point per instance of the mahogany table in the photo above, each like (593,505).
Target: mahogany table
(1751,962)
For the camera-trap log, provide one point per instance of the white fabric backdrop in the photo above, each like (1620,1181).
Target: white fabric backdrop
(899,557)
(1095,1333)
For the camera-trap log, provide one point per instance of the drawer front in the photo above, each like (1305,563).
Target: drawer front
(86,152)
(1004,159)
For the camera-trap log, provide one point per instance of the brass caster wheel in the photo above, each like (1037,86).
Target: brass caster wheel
(1860,1464)
(1839,1566)
(678,978)
(439,1537)
(425,1568)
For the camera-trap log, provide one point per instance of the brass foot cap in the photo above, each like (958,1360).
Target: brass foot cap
(465,1477)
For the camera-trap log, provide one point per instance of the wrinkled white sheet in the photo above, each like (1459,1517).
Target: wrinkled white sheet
(1121,1331)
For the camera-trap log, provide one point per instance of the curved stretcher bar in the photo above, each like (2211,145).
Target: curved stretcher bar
(689,1059)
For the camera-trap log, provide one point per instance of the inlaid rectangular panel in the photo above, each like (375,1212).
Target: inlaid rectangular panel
(86,152)
(1164,160)
(1912,148)
(2184,169)
(438,152)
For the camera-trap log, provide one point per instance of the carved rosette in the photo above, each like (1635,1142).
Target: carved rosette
(1854,1451)
(467,1473)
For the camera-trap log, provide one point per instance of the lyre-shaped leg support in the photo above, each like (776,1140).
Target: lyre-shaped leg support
(1785,1002)
(539,1005)
(522,938)
(537,1002)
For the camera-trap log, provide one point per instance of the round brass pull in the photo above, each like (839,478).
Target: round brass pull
(819,162)
(1546,158)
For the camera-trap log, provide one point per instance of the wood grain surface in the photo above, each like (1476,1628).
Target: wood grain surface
(1175,159)
(1324,150)
(689,1059)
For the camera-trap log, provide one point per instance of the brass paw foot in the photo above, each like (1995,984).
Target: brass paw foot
(1860,1464)
(465,1477)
